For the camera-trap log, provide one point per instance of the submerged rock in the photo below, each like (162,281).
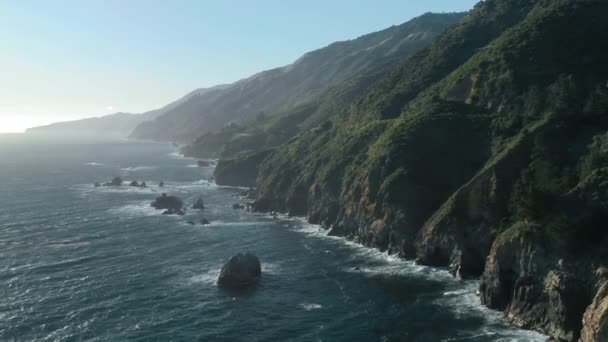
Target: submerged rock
(97,185)
(240,272)
(168,202)
(161,184)
(238,206)
(200,204)
(191,223)
(205,222)
(134,184)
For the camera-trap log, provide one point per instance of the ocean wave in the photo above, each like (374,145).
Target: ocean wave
(136,209)
(94,164)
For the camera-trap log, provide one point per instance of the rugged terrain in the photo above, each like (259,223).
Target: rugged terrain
(486,153)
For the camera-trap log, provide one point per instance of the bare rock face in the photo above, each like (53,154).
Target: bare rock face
(595,320)
(240,272)
(535,289)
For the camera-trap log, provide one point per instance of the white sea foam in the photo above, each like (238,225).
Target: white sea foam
(94,164)
(310,306)
(462,302)
(208,278)
(271,268)
(138,168)
(135,209)
(177,155)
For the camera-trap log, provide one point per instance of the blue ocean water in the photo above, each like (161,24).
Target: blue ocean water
(79,263)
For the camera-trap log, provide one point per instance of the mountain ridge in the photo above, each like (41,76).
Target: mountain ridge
(284,88)
(116,125)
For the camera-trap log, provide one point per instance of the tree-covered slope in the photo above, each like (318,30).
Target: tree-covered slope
(488,144)
(282,89)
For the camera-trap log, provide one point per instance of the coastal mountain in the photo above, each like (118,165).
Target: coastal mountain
(118,125)
(299,84)
(484,152)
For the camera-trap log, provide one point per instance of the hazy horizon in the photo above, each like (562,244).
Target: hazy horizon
(65,62)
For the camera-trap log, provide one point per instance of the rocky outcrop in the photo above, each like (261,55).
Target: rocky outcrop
(595,319)
(203,163)
(240,272)
(200,204)
(168,202)
(536,288)
(240,171)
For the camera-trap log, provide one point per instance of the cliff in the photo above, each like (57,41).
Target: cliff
(486,153)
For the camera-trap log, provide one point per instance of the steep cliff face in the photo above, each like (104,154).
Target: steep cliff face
(595,320)
(281,89)
(535,287)
(490,142)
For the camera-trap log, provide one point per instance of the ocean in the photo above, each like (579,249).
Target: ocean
(80,263)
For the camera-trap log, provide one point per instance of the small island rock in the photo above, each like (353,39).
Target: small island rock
(168,202)
(240,272)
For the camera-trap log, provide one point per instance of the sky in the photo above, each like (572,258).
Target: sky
(67,59)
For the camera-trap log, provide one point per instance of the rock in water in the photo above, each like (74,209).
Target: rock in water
(161,184)
(97,185)
(240,272)
(199,204)
(205,222)
(143,185)
(168,202)
(134,184)
(116,181)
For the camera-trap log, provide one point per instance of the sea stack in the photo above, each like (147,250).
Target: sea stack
(240,272)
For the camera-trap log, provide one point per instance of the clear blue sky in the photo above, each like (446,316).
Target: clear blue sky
(65,59)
